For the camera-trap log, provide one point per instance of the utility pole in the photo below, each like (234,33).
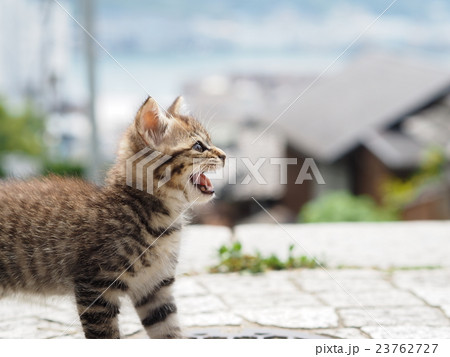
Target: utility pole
(88,9)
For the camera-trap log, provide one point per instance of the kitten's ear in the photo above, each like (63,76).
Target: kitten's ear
(177,106)
(151,122)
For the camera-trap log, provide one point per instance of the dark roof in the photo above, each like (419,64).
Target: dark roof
(340,112)
(239,98)
(395,149)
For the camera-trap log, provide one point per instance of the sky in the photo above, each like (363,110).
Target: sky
(155,47)
(164,43)
(167,42)
(264,26)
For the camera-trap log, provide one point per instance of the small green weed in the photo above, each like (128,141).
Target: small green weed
(232,259)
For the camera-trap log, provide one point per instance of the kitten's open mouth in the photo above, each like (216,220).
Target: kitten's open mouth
(203,183)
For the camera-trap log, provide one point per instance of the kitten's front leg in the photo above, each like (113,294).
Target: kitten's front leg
(98,313)
(157,311)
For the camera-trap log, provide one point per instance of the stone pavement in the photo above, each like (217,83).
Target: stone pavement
(359,303)
(371,301)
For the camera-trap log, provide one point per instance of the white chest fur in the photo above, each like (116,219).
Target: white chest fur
(163,256)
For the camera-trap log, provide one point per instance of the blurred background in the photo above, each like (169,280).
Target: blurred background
(375,117)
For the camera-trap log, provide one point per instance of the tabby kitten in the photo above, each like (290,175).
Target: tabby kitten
(61,236)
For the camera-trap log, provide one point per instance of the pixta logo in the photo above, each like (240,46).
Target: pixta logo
(142,166)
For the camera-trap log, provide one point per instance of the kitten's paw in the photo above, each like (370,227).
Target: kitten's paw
(170,335)
(177,335)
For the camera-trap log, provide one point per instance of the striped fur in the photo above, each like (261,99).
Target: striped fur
(61,236)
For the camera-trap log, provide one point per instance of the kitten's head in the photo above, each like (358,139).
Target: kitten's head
(167,153)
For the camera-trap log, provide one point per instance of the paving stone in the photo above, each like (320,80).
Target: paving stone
(67,316)
(287,317)
(187,286)
(128,328)
(15,307)
(339,274)
(341,333)
(446,309)
(56,309)
(382,245)
(33,327)
(76,335)
(350,285)
(416,316)
(248,285)
(433,296)
(421,278)
(286,299)
(386,297)
(129,322)
(430,285)
(418,331)
(199,246)
(299,299)
(211,319)
(199,305)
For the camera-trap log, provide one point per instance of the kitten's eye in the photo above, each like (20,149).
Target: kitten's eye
(198,146)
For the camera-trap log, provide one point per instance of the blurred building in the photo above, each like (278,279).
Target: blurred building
(37,65)
(35,51)
(372,121)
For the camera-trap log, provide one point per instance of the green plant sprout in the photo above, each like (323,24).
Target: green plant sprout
(232,259)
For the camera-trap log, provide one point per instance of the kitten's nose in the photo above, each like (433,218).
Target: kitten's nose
(221,155)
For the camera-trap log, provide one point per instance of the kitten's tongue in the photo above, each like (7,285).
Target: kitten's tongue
(201,180)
